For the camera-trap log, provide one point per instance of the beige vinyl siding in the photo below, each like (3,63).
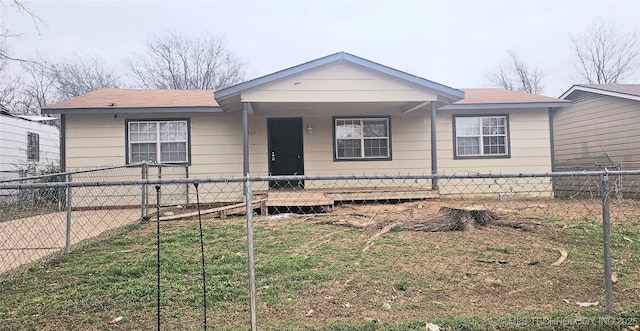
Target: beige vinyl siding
(529,139)
(97,140)
(93,141)
(410,149)
(409,142)
(216,148)
(410,152)
(338,82)
(589,128)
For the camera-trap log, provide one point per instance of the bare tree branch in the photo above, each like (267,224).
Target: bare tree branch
(36,90)
(6,32)
(176,61)
(513,74)
(80,74)
(605,54)
(47,81)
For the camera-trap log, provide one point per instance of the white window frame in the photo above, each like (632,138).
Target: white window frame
(362,138)
(33,149)
(158,141)
(480,136)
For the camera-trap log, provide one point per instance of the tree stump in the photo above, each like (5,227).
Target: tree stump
(454,219)
(446,219)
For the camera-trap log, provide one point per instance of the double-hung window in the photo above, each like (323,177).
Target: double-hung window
(158,141)
(481,136)
(362,139)
(33,147)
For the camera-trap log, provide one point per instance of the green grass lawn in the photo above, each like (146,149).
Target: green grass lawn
(313,276)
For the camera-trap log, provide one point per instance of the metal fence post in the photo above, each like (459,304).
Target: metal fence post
(252,268)
(606,233)
(143,191)
(67,246)
(159,177)
(186,173)
(619,186)
(61,196)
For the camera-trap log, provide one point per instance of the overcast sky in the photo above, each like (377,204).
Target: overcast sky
(452,43)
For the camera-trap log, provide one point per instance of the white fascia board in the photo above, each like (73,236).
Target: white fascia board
(599,91)
(519,105)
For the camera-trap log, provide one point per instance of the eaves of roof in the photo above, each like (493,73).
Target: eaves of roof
(600,91)
(136,110)
(512,105)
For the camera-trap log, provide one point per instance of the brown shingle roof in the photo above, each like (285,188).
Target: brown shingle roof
(499,95)
(111,98)
(630,89)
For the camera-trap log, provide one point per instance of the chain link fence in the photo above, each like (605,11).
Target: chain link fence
(621,185)
(109,216)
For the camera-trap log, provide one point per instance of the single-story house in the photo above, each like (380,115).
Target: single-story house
(336,115)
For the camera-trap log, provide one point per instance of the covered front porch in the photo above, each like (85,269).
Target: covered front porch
(338,115)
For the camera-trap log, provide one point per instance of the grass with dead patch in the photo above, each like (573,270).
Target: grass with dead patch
(317,277)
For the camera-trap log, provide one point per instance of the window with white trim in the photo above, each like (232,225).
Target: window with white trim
(158,141)
(481,136)
(33,147)
(362,138)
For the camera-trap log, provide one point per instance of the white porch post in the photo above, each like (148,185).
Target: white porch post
(245,139)
(434,146)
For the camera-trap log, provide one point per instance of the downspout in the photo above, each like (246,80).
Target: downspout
(245,139)
(434,147)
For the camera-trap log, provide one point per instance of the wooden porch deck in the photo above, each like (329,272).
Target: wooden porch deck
(318,198)
(299,198)
(315,197)
(380,193)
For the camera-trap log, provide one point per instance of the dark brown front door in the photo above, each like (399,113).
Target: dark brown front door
(285,150)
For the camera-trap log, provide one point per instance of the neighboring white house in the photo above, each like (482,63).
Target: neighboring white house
(27,145)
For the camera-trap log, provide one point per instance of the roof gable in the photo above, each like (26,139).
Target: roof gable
(445,91)
(339,81)
(625,91)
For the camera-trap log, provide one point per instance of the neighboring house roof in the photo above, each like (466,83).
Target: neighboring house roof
(444,90)
(32,118)
(499,98)
(123,100)
(6,113)
(625,91)
(36,118)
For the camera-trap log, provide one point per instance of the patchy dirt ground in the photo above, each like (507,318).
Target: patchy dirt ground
(358,272)
(484,271)
(561,209)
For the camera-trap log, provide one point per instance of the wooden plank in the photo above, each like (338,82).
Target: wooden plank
(226,210)
(297,198)
(384,195)
(327,197)
(309,196)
